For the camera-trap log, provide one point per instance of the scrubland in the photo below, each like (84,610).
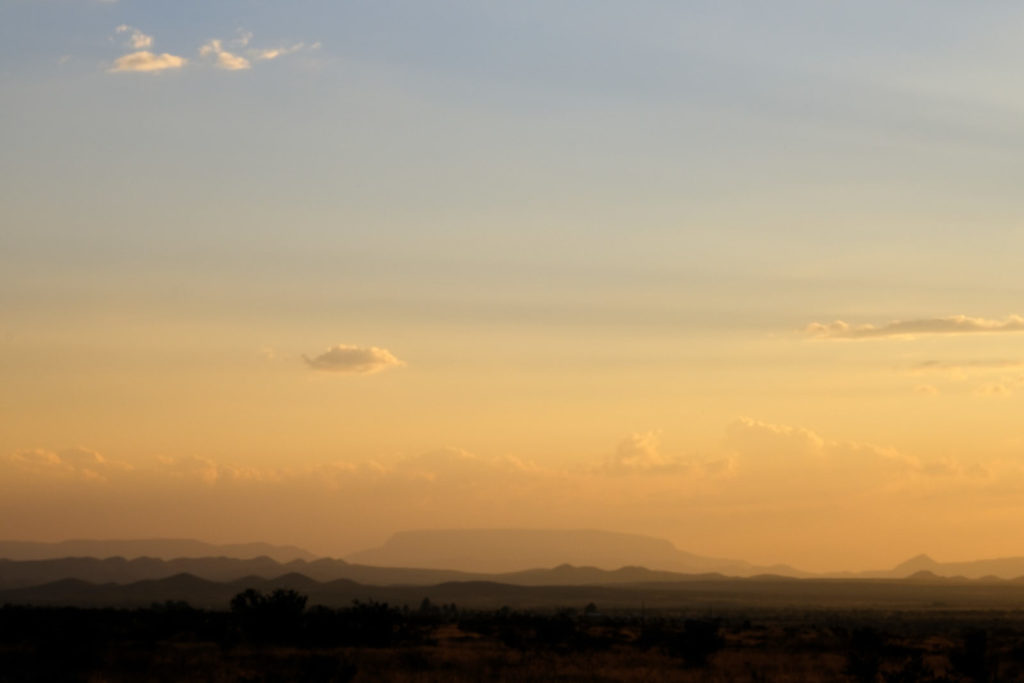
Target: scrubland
(276,637)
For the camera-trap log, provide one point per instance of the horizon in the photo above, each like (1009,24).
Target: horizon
(347,557)
(742,277)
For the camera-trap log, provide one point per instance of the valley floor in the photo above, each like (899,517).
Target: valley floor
(374,642)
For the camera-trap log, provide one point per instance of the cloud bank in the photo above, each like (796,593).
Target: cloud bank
(353,359)
(784,485)
(957,324)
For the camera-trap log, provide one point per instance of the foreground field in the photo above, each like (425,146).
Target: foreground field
(274,637)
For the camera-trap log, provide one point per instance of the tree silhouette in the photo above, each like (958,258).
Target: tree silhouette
(275,617)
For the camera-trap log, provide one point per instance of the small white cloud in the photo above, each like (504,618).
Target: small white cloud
(353,359)
(275,52)
(223,58)
(148,62)
(136,39)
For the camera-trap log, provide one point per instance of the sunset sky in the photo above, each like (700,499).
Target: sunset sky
(742,275)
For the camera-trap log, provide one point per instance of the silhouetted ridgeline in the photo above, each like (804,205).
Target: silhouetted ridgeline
(696,592)
(116,570)
(513,550)
(119,570)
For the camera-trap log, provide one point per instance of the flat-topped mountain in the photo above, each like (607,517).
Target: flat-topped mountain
(512,550)
(163,548)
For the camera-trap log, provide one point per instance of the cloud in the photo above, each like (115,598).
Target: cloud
(640,453)
(961,368)
(762,446)
(353,359)
(72,463)
(764,440)
(957,324)
(223,58)
(275,52)
(137,40)
(829,489)
(215,51)
(232,61)
(146,61)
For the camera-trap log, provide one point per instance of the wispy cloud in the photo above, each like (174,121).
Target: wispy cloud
(136,39)
(640,452)
(353,359)
(275,52)
(233,54)
(222,58)
(75,463)
(957,324)
(241,56)
(956,367)
(146,61)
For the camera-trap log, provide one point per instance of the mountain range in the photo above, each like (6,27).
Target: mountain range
(515,556)
(700,593)
(118,570)
(165,548)
(511,550)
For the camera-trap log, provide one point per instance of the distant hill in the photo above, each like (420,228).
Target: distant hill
(118,570)
(512,550)
(720,595)
(163,548)
(1002,567)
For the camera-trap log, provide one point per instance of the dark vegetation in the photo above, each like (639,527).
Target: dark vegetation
(277,636)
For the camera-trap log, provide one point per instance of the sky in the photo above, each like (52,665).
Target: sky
(741,275)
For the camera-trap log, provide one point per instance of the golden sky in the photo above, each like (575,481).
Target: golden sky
(743,276)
